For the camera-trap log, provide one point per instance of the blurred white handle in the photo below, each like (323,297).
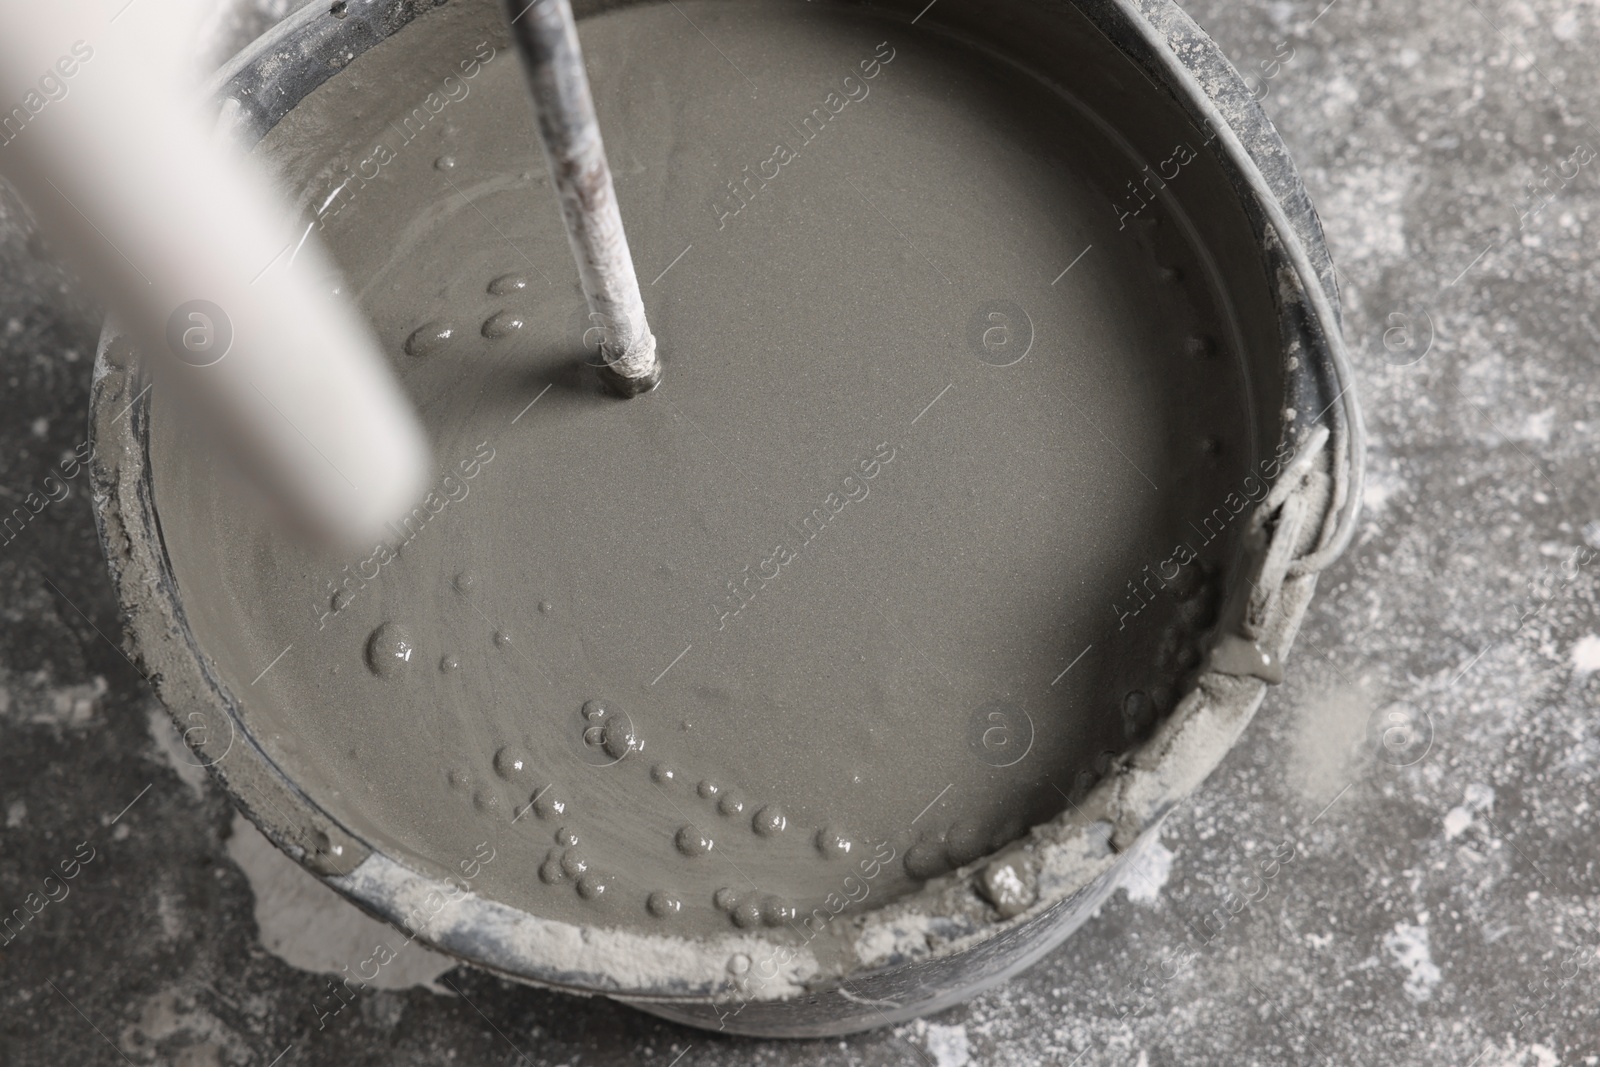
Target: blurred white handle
(98,134)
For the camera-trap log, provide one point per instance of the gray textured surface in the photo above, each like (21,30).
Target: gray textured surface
(1439,912)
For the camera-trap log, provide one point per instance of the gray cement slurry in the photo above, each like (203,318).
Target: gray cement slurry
(1417,126)
(696,662)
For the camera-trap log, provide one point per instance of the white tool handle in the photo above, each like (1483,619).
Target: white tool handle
(117,162)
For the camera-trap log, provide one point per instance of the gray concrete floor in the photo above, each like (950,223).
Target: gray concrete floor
(1440,906)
